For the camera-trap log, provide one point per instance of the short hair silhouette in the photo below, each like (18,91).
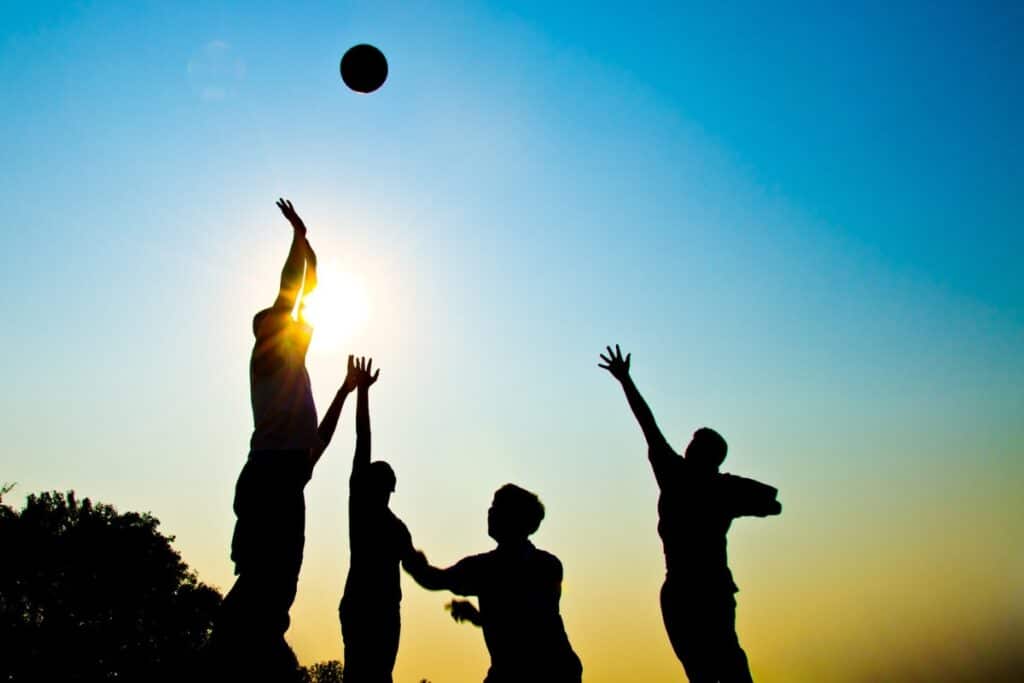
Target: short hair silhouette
(515,513)
(707,448)
(381,477)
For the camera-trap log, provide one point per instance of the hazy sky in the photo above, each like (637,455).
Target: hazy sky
(805,224)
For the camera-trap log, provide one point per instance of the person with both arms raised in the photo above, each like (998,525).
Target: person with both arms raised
(267,545)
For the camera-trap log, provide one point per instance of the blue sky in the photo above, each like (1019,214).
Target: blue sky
(805,223)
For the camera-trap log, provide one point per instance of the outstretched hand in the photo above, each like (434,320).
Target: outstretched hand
(364,374)
(289,212)
(464,610)
(615,363)
(351,380)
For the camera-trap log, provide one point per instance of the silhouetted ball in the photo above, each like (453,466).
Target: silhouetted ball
(363,68)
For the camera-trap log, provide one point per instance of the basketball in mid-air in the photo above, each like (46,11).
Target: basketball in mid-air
(363,68)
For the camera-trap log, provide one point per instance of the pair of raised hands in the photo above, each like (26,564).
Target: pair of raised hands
(360,374)
(289,212)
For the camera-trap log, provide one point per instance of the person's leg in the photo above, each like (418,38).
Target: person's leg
(267,550)
(733,665)
(371,637)
(248,638)
(352,632)
(682,620)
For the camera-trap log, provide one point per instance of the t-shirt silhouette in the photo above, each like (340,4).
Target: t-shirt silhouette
(284,415)
(378,542)
(519,587)
(695,509)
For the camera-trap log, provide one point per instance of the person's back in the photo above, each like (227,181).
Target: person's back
(284,414)
(519,587)
(369,610)
(695,510)
(378,541)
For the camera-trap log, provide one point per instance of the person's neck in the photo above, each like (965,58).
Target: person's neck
(514,544)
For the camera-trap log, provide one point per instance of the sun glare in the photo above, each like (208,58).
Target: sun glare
(337,309)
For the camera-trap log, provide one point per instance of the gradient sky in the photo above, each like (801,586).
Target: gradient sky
(804,223)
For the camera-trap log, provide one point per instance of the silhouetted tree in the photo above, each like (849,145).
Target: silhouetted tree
(88,594)
(324,672)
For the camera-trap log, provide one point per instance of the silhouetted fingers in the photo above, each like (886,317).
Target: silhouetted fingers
(628,356)
(606,360)
(618,352)
(375,376)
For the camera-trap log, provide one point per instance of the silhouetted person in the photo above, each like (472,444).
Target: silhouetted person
(519,587)
(378,542)
(696,506)
(269,505)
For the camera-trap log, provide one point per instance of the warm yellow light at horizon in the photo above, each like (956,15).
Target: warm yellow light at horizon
(338,309)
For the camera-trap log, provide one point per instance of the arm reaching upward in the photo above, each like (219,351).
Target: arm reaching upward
(658,448)
(330,421)
(309,282)
(364,379)
(291,274)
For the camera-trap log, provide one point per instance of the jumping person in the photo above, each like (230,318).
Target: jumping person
(269,505)
(378,541)
(519,587)
(695,508)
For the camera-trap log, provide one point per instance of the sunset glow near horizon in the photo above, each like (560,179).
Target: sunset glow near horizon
(804,224)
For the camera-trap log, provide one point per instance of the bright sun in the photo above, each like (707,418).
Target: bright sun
(337,309)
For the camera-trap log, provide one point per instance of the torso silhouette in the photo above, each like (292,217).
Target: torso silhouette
(695,510)
(378,541)
(519,587)
(284,415)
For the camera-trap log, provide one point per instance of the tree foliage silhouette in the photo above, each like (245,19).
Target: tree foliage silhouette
(324,672)
(88,594)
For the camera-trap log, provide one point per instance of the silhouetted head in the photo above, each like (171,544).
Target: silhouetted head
(380,482)
(268,321)
(707,449)
(276,327)
(514,515)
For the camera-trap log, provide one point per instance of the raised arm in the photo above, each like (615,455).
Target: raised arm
(330,420)
(619,369)
(364,379)
(294,265)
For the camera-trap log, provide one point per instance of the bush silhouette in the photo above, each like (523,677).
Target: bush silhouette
(88,594)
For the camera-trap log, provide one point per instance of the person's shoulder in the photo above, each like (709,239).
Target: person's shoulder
(475,566)
(666,461)
(399,526)
(548,561)
(269,320)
